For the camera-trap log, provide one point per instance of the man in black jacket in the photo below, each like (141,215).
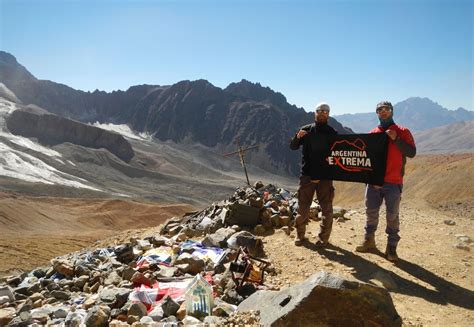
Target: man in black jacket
(312,157)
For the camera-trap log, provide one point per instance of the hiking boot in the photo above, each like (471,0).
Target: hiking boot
(391,253)
(300,240)
(321,244)
(368,245)
(300,231)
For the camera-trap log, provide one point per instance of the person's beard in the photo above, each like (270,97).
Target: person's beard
(322,119)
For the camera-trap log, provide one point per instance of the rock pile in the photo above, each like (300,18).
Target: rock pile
(258,209)
(144,282)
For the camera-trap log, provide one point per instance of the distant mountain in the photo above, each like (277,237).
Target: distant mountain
(418,114)
(453,138)
(186,112)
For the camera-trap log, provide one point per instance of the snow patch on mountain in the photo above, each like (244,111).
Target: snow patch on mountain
(123,130)
(16,163)
(29,144)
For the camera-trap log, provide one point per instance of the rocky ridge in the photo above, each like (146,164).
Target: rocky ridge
(195,112)
(52,129)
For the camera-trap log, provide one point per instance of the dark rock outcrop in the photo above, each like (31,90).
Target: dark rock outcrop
(325,299)
(255,91)
(51,129)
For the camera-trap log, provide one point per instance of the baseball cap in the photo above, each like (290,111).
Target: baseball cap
(384,104)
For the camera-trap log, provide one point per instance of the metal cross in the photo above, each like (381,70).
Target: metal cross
(241,155)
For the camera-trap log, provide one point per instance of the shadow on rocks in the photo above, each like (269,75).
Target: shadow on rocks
(444,291)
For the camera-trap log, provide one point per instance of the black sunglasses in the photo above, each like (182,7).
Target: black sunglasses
(383,109)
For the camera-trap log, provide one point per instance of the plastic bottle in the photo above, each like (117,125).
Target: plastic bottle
(199,299)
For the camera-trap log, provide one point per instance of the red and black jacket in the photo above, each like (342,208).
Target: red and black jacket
(398,151)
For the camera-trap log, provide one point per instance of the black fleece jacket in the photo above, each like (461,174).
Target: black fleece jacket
(314,153)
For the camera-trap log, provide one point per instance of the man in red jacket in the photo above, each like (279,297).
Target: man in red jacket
(400,145)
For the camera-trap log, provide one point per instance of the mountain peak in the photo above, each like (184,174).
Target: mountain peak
(256,92)
(7,58)
(201,86)
(12,71)
(420,101)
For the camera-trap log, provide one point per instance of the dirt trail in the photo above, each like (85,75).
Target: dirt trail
(433,282)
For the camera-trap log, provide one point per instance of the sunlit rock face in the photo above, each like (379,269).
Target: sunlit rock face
(52,129)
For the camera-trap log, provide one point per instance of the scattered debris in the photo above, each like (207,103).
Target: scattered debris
(199,268)
(247,269)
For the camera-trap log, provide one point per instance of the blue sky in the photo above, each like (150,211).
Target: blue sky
(349,53)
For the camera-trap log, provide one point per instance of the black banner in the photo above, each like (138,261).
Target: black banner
(353,157)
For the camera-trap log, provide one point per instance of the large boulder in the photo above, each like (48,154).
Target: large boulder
(325,299)
(243,215)
(248,240)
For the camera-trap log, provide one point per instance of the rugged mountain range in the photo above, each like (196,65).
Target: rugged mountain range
(94,162)
(187,112)
(198,113)
(418,114)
